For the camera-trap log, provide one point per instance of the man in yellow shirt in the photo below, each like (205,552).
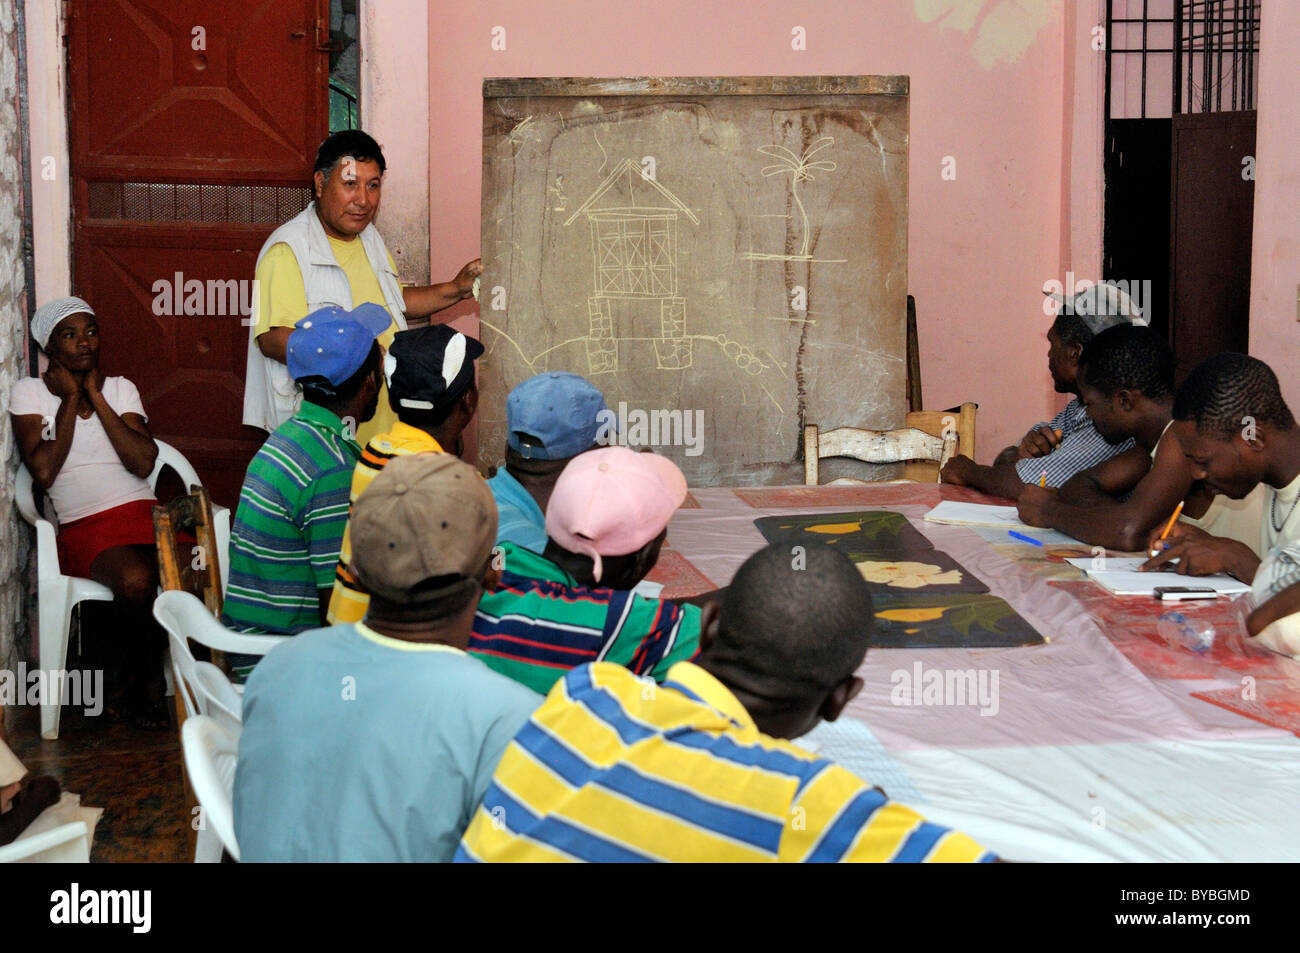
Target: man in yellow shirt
(429,374)
(614,767)
(332,254)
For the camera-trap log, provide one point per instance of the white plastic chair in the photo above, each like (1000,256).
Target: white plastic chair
(65,844)
(58,595)
(211,749)
(204,688)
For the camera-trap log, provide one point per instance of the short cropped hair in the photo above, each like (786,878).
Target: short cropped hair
(1223,390)
(1129,357)
(1072,329)
(349,143)
(798,621)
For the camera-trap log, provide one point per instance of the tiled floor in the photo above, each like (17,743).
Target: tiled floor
(134,775)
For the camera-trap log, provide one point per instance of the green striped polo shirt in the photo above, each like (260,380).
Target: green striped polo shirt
(540,623)
(289,526)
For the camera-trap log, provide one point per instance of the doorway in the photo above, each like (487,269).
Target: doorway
(193,128)
(1179,166)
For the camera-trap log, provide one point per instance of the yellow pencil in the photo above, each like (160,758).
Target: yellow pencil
(1042,480)
(1170,525)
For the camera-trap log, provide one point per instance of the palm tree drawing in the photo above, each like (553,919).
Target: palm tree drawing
(799,169)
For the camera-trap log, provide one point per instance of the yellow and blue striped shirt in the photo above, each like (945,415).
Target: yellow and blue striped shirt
(614,767)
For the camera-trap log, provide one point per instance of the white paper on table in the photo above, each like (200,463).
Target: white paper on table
(1121,577)
(976,514)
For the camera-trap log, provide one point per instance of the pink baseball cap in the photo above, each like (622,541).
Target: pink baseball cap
(612,501)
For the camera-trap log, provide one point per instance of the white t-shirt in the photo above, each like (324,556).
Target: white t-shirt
(93,478)
(1280,506)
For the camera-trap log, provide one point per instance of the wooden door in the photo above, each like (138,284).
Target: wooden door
(1211,217)
(193,129)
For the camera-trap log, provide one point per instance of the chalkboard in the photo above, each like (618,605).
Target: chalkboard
(726,258)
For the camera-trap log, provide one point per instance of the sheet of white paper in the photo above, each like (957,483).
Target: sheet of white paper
(978,514)
(1122,578)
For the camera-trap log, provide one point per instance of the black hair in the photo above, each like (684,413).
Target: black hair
(349,143)
(320,391)
(798,619)
(1129,357)
(1223,390)
(1072,329)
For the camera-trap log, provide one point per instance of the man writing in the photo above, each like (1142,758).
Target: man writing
(332,254)
(1236,432)
(1126,383)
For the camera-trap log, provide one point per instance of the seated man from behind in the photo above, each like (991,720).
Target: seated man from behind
(1126,382)
(613,767)
(1053,452)
(430,377)
(376,741)
(550,419)
(1237,432)
(293,507)
(607,520)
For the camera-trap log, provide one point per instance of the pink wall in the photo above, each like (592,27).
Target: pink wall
(1275,255)
(987,89)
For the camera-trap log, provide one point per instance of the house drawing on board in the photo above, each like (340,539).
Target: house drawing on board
(634,270)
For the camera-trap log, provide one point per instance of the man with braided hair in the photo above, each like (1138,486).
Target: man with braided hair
(1126,384)
(1237,432)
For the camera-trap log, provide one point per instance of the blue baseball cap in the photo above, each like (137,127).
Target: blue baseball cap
(553,415)
(333,343)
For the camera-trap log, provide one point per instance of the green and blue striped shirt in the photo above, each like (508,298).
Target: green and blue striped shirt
(289,526)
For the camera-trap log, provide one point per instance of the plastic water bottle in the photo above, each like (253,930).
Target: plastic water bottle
(1178,630)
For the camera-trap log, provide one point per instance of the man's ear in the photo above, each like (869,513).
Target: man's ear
(839,696)
(1124,398)
(710,620)
(469,402)
(491,578)
(319,179)
(1073,351)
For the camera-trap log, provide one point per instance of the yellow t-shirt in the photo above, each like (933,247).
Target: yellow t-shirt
(282,303)
(349,602)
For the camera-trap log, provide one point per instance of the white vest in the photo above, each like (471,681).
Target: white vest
(270,395)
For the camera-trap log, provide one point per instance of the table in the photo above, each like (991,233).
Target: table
(1098,746)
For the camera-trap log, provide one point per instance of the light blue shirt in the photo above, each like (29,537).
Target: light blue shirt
(358,747)
(519,519)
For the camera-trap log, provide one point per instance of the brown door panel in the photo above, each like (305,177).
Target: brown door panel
(142,96)
(1212,213)
(183,161)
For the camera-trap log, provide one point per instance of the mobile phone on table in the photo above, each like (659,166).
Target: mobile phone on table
(1184,593)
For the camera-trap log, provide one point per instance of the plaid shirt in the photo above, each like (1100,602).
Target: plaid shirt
(1081,447)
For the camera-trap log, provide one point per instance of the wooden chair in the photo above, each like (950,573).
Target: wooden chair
(930,440)
(193,567)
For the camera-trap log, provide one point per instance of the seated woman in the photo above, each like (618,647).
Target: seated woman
(83,438)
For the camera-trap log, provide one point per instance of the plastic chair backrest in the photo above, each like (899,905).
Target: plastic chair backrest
(186,615)
(211,749)
(168,456)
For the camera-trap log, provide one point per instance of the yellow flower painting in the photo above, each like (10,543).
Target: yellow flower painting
(907,575)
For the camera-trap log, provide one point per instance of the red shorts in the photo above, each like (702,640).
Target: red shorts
(82,540)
